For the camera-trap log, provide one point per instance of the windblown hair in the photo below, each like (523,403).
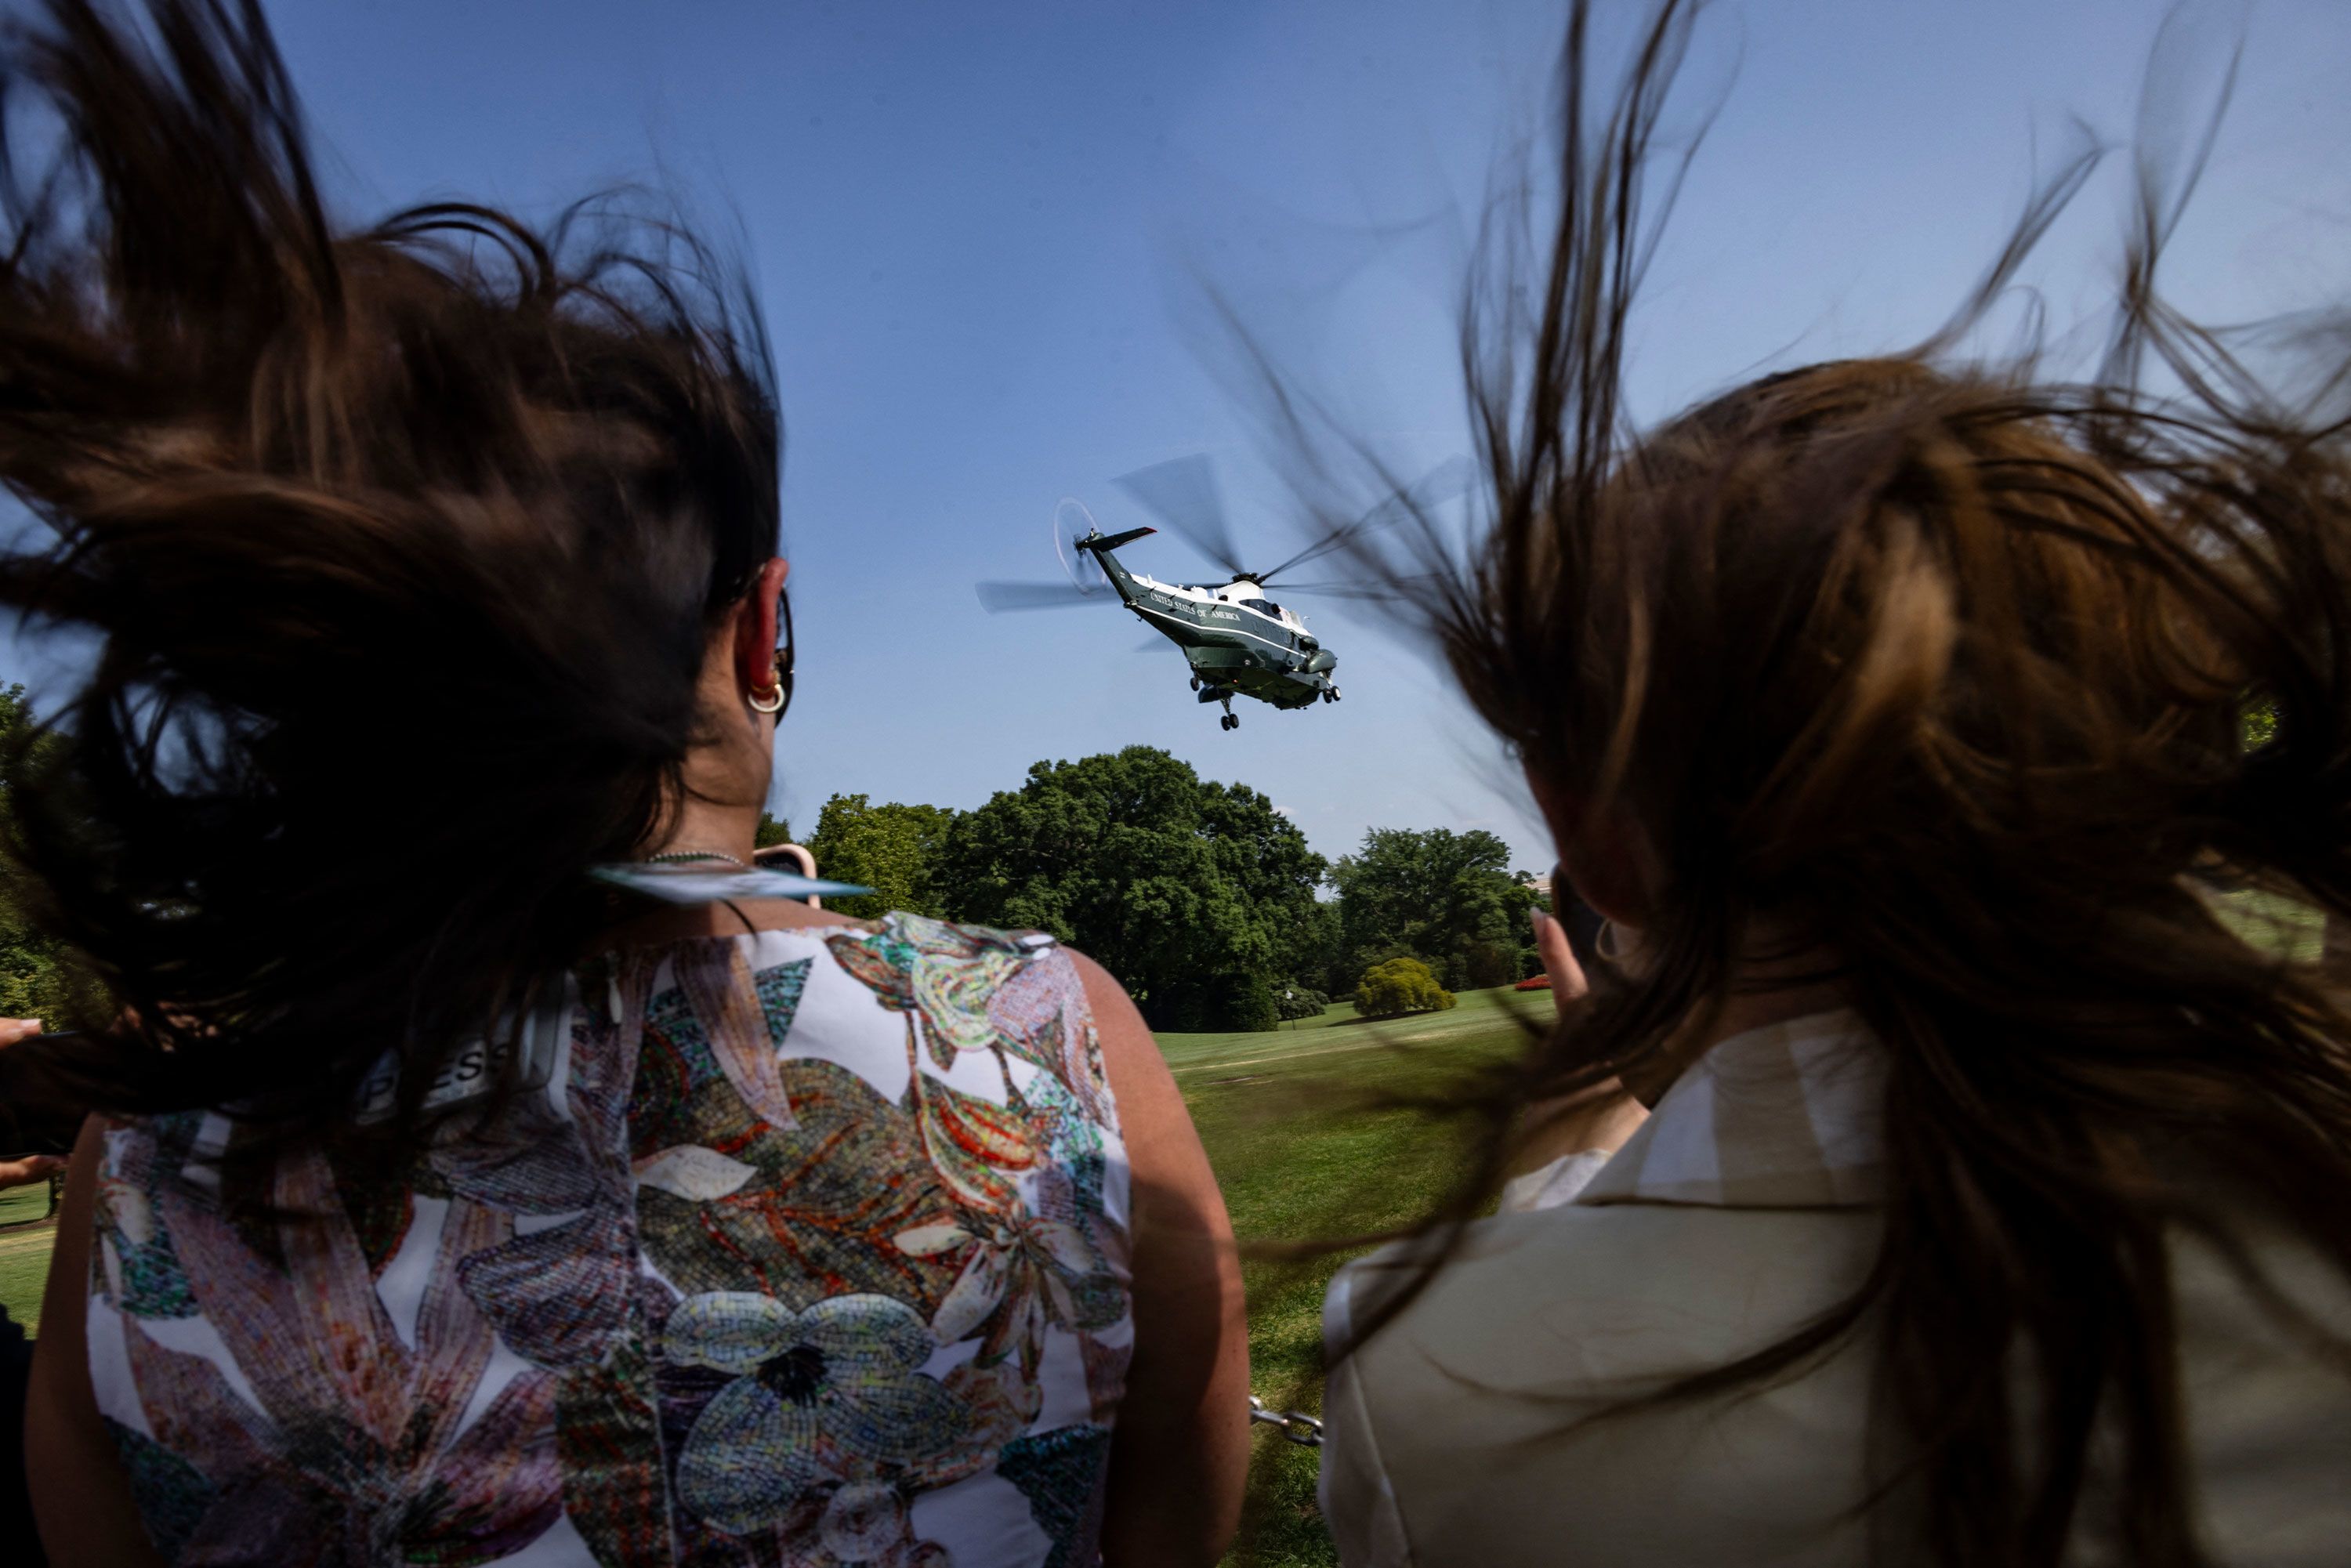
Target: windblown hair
(398,547)
(1974,682)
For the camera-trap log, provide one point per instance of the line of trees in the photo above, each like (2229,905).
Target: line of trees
(1199,896)
(1445,898)
(1202,898)
(35,979)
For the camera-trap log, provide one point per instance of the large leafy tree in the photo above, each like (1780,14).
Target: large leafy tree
(889,848)
(1444,897)
(35,979)
(1195,894)
(1316,961)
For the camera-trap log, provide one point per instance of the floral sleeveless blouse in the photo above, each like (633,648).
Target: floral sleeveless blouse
(811,1251)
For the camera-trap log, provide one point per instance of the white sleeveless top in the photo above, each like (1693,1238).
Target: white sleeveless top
(812,1251)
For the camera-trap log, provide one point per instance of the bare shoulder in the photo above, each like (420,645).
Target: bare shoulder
(1163,1148)
(1129,1052)
(1182,1445)
(1107,997)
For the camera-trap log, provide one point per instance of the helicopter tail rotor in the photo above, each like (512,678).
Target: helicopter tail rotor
(1072,522)
(1075,538)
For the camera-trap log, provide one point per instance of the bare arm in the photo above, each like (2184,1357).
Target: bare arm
(1180,1455)
(81,1499)
(31,1167)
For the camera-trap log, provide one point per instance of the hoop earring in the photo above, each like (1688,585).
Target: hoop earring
(768,698)
(1605,943)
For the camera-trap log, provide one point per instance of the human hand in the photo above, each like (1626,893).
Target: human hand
(1598,1118)
(1567,981)
(31,1167)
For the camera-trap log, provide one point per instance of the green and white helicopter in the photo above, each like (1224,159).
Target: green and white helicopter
(1239,642)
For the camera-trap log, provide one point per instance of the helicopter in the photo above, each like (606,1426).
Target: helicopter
(1239,643)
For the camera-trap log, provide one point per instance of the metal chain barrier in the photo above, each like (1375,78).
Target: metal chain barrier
(1296,1425)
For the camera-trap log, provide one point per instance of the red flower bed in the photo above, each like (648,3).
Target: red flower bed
(1533,983)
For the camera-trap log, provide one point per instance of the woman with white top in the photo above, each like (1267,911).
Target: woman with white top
(1904,718)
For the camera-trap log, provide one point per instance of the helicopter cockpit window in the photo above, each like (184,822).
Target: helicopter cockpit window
(1266,605)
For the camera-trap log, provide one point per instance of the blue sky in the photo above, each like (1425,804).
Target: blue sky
(979,227)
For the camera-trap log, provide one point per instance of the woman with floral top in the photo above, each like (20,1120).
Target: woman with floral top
(453,1202)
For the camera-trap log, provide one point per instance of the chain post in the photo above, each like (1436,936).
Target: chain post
(1295,1426)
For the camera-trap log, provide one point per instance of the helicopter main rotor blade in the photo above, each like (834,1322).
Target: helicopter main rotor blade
(999,597)
(1440,484)
(1364,590)
(1183,494)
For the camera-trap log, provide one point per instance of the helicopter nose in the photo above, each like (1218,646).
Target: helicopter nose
(1323,663)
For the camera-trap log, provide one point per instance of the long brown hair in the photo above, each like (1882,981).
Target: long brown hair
(398,546)
(1967,680)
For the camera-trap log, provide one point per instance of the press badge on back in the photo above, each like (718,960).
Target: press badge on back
(523,1062)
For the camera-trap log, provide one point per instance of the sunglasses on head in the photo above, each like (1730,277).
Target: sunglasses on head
(783,652)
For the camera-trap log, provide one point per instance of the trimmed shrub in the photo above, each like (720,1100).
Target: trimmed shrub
(1400,986)
(1294,1001)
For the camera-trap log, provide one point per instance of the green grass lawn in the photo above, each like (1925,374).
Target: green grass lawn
(23,1251)
(1299,1157)
(24,1270)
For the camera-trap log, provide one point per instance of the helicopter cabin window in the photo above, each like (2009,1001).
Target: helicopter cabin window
(1267,605)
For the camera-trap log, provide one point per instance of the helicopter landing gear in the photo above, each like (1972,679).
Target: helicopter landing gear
(1231,720)
(1330,693)
(1195,682)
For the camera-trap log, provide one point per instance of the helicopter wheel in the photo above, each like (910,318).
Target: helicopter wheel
(1229,721)
(1195,682)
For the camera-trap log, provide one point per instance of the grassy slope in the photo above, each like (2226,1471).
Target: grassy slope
(24,1270)
(1300,1158)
